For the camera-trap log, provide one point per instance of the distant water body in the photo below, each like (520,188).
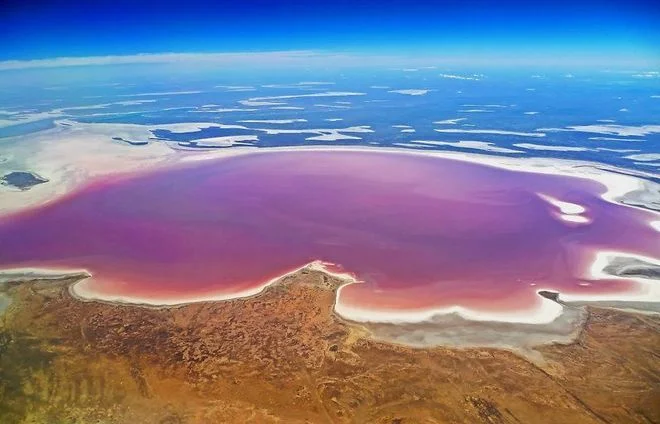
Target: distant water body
(420,232)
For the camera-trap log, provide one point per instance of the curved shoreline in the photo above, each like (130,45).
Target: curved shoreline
(616,187)
(98,155)
(550,310)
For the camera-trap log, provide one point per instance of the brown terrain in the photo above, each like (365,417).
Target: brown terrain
(284,356)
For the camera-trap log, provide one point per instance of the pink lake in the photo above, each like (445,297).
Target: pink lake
(420,232)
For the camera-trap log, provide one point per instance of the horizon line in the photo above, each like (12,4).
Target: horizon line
(339,58)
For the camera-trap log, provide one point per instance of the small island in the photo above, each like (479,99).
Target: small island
(22,180)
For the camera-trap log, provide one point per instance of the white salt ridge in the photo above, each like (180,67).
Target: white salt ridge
(332,106)
(490,105)
(315,83)
(615,139)
(644,157)
(605,149)
(564,207)
(488,131)
(410,92)
(236,87)
(194,127)
(449,121)
(227,140)
(272,121)
(335,136)
(460,77)
(569,212)
(224,110)
(26,118)
(543,312)
(298,96)
(161,93)
(465,144)
(647,290)
(322,134)
(610,129)
(259,103)
(531,146)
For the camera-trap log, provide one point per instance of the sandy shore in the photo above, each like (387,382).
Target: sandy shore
(558,320)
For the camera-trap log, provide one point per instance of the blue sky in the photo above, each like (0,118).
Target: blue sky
(56,28)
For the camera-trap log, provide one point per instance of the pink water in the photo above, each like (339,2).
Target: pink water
(421,232)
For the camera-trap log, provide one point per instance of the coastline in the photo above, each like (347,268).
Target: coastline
(272,352)
(98,155)
(445,327)
(91,163)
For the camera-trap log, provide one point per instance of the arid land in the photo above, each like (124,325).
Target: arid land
(284,356)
